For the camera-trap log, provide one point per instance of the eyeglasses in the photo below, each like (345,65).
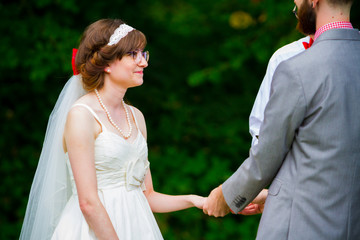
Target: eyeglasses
(295,11)
(137,55)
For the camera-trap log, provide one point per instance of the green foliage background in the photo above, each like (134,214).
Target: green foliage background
(207,61)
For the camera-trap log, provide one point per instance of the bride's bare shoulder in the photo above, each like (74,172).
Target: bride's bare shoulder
(88,99)
(78,111)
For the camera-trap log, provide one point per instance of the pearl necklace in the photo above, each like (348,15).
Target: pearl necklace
(126,136)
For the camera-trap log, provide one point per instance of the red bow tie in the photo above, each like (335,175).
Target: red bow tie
(307,45)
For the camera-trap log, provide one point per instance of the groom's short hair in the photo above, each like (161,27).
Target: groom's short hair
(340,2)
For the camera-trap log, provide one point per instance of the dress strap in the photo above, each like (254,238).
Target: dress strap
(133,113)
(92,112)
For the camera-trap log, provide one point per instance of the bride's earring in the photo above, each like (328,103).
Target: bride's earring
(107,70)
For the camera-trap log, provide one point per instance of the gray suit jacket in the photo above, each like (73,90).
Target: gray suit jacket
(309,146)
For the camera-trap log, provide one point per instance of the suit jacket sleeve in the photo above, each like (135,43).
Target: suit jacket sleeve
(283,115)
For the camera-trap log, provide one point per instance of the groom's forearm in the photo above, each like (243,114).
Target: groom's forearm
(240,189)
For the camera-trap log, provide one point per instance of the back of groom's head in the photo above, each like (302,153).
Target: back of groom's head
(340,2)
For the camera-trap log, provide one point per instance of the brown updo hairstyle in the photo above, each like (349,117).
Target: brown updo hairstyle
(94,55)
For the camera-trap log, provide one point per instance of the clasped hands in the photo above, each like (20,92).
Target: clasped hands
(215,204)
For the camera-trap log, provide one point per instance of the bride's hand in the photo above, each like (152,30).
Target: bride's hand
(198,201)
(257,205)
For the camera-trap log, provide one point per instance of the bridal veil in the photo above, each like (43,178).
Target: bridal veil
(51,188)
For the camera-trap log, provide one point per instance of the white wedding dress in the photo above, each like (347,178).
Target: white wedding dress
(120,170)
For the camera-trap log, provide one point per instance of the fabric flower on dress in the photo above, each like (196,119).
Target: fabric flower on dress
(135,173)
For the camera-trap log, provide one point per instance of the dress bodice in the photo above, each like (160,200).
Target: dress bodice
(117,161)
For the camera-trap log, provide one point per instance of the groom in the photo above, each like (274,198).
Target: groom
(309,142)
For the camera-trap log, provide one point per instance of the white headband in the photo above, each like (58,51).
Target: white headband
(119,33)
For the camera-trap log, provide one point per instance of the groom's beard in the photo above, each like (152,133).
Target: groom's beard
(306,19)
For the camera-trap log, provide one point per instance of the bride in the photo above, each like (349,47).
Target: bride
(93,179)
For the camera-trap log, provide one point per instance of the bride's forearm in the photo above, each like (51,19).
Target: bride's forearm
(98,219)
(161,203)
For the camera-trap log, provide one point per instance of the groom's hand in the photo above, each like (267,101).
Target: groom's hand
(257,205)
(215,205)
